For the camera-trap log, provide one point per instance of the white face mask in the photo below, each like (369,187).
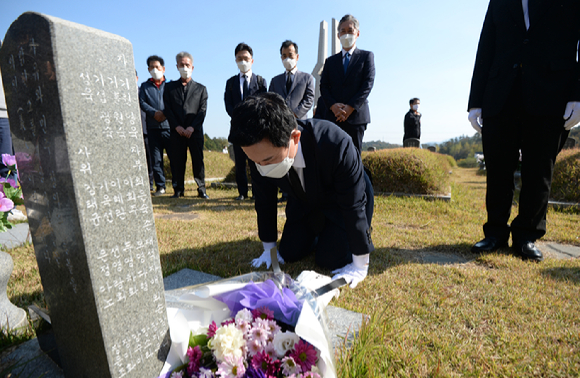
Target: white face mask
(347,40)
(277,170)
(156,74)
(244,66)
(289,64)
(185,72)
(416,107)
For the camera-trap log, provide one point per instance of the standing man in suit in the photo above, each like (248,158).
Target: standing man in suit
(296,87)
(151,102)
(412,123)
(330,202)
(525,95)
(346,82)
(238,88)
(185,108)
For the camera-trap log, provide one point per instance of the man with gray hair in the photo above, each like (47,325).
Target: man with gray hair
(346,82)
(185,108)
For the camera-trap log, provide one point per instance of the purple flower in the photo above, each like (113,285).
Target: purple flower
(254,373)
(304,355)
(194,355)
(8,160)
(211,329)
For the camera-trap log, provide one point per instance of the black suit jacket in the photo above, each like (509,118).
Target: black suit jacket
(545,55)
(351,88)
(333,181)
(233,96)
(188,110)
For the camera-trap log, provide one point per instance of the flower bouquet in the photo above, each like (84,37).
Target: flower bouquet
(256,325)
(10,192)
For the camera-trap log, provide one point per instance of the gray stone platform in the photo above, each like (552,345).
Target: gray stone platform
(18,235)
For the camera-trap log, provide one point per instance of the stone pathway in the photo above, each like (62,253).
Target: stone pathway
(15,237)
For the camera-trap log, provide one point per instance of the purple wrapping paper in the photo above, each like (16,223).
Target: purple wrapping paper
(264,294)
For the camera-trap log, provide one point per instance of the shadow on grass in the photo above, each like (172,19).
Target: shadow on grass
(443,254)
(564,274)
(191,204)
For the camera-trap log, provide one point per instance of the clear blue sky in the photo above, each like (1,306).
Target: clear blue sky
(422,48)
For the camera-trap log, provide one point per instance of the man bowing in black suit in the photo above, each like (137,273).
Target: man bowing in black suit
(525,95)
(346,82)
(330,202)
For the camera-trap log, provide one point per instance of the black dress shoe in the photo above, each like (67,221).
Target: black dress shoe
(240,198)
(489,244)
(203,195)
(528,251)
(177,194)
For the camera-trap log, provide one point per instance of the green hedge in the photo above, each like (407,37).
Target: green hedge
(408,170)
(566,180)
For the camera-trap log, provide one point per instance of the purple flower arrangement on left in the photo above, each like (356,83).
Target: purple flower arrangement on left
(10,192)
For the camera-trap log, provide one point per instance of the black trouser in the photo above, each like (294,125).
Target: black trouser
(540,138)
(356,132)
(159,140)
(178,159)
(240,158)
(324,231)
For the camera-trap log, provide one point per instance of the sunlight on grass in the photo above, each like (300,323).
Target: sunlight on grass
(492,316)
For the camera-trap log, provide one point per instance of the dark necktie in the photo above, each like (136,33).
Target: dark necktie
(246,89)
(346,61)
(288,82)
(296,184)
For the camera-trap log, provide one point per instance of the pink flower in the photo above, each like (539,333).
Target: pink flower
(194,355)
(263,313)
(229,321)
(255,347)
(6,204)
(262,361)
(231,367)
(311,375)
(12,182)
(8,160)
(211,330)
(260,334)
(304,355)
(289,366)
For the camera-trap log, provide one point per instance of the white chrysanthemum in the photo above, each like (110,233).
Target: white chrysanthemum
(244,315)
(228,340)
(284,342)
(178,374)
(289,366)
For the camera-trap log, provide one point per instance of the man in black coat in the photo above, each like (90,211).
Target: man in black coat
(346,82)
(412,123)
(330,202)
(185,108)
(525,95)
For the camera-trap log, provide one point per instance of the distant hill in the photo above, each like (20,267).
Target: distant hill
(379,145)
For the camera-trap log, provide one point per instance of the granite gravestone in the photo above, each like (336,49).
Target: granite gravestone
(74,116)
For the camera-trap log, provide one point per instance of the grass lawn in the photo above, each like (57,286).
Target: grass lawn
(492,316)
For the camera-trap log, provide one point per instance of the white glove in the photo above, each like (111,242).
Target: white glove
(475,118)
(572,115)
(265,258)
(354,272)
